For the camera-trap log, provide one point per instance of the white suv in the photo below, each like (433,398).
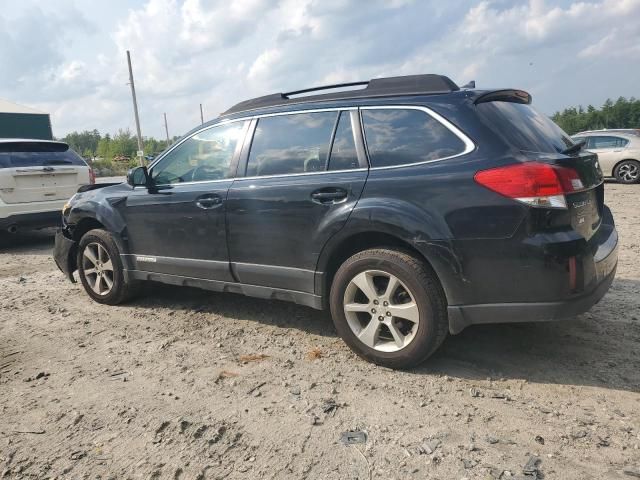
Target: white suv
(37,177)
(618,152)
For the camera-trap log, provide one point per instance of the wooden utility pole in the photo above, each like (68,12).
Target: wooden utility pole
(201,115)
(166,129)
(135,110)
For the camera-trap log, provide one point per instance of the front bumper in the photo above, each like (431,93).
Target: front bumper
(64,254)
(600,269)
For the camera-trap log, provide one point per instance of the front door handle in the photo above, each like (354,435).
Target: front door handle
(208,201)
(329,195)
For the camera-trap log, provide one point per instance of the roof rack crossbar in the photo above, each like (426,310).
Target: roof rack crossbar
(325,87)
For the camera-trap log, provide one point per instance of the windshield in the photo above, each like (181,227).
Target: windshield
(524,128)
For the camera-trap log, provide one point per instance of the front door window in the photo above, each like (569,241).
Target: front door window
(203,157)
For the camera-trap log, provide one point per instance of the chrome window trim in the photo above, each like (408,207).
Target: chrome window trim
(469,146)
(324,172)
(166,186)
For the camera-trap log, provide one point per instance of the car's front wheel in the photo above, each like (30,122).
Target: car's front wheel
(389,307)
(100,269)
(627,171)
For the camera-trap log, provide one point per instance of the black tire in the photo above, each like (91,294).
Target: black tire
(627,172)
(418,280)
(120,290)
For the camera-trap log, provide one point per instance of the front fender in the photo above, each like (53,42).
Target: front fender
(99,209)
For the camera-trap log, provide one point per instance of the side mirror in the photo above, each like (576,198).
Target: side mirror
(138,176)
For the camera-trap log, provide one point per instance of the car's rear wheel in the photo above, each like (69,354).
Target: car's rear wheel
(628,171)
(389,307)
(100,269)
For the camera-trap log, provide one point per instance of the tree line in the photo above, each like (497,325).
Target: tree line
(112,154)
(623,113)
(91,145)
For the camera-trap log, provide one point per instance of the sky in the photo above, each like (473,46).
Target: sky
(67,57)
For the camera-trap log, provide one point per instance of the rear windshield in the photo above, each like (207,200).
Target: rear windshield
(37,154)
(524,128)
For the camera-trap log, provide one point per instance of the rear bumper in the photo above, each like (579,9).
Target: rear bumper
(31,220)
(599,268)
(461,317)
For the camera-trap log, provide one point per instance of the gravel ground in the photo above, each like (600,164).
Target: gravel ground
(185,384)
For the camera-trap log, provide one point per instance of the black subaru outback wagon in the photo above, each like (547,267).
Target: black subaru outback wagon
(410,208)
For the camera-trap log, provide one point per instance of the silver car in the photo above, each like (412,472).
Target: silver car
(618,152)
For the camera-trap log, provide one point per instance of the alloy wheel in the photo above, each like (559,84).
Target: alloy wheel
(97,268)
(381,311)
(629,172)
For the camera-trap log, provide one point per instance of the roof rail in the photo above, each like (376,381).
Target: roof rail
(427,84)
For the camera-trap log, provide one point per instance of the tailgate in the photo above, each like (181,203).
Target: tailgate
(35,184)
(39,171)
(512,118)
(586,207)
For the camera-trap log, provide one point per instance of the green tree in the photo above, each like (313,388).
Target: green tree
(623,113)
(85,143)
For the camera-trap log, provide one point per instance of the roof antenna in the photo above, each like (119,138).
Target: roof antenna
(471,84)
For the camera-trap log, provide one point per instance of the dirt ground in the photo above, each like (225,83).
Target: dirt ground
(186,384)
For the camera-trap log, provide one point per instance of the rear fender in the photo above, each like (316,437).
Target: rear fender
(410,225)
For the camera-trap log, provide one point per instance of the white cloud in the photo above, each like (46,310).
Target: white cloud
(220,52)
(265,62)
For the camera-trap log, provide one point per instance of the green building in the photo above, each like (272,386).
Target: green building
(17,121)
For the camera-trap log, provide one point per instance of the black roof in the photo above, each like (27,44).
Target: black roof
(377,87)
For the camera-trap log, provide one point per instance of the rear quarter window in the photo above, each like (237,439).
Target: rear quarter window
(524,128)
(37,154)
(400,136)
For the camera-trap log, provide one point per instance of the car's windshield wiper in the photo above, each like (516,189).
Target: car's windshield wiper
(576,147)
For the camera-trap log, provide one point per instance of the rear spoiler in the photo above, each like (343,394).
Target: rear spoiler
(508,95)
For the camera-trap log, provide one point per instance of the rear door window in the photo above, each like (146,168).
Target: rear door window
(523,127)
(37,154)
(400,136)
(607,142)
(291,144)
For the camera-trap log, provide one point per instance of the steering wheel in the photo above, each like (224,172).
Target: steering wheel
(205,172)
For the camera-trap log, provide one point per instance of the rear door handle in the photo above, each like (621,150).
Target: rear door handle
(329,195)
(208,201)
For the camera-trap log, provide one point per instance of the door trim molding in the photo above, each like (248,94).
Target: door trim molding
(257,291)
(205,269)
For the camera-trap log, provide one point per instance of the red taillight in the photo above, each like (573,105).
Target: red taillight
(92,176)
(533,183)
